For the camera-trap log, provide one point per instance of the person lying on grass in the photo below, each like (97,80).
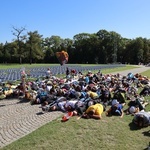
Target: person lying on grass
(142,119)
(136,104)
(116,109)
(57,105)
(94,111)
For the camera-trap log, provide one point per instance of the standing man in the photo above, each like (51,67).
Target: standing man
(48,73)
(67,72)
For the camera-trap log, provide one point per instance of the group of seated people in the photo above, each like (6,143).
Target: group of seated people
(89,95)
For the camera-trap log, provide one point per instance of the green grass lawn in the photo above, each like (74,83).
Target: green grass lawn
(110,133)
(7,66)
(146,73)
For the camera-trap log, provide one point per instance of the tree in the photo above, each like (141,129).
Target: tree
(83,48)
(110,42)
(34,47)
(20,40)
(146,53)
(1,52)
(52,45)
(14,51)
(104,40)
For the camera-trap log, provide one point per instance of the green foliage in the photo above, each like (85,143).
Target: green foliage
(97,48)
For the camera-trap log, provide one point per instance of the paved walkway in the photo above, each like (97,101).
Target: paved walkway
(18,119)
(135,70)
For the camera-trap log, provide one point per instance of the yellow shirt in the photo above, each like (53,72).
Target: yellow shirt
(93,95)
(97,107)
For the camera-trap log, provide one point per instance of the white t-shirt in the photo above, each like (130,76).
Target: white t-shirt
(61,105)
(48,87)
(71,103)
(48,73)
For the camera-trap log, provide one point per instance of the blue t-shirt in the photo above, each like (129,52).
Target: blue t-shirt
(87,79)
(117,110)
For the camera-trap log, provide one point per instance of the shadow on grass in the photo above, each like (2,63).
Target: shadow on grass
(133,126)
(146,133)
(147,148)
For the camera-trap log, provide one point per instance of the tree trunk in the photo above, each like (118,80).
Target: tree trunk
(20,60)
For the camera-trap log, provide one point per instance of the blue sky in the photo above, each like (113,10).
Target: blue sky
(66,18)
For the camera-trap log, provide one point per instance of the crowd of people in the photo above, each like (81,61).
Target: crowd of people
(88,95)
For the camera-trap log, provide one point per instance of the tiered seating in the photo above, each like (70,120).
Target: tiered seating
(36,72)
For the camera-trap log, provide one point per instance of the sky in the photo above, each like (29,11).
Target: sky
(66,18)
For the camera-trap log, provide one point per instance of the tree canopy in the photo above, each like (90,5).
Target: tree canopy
(97,48)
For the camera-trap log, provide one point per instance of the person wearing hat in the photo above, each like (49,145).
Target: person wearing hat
(135,106)
(133,110)
(48,73)
(49,85)
(67,73)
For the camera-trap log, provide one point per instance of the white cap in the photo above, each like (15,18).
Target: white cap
(132,109)
(114,102)
(90,103)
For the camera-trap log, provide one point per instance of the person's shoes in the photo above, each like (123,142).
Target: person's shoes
(46,109)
